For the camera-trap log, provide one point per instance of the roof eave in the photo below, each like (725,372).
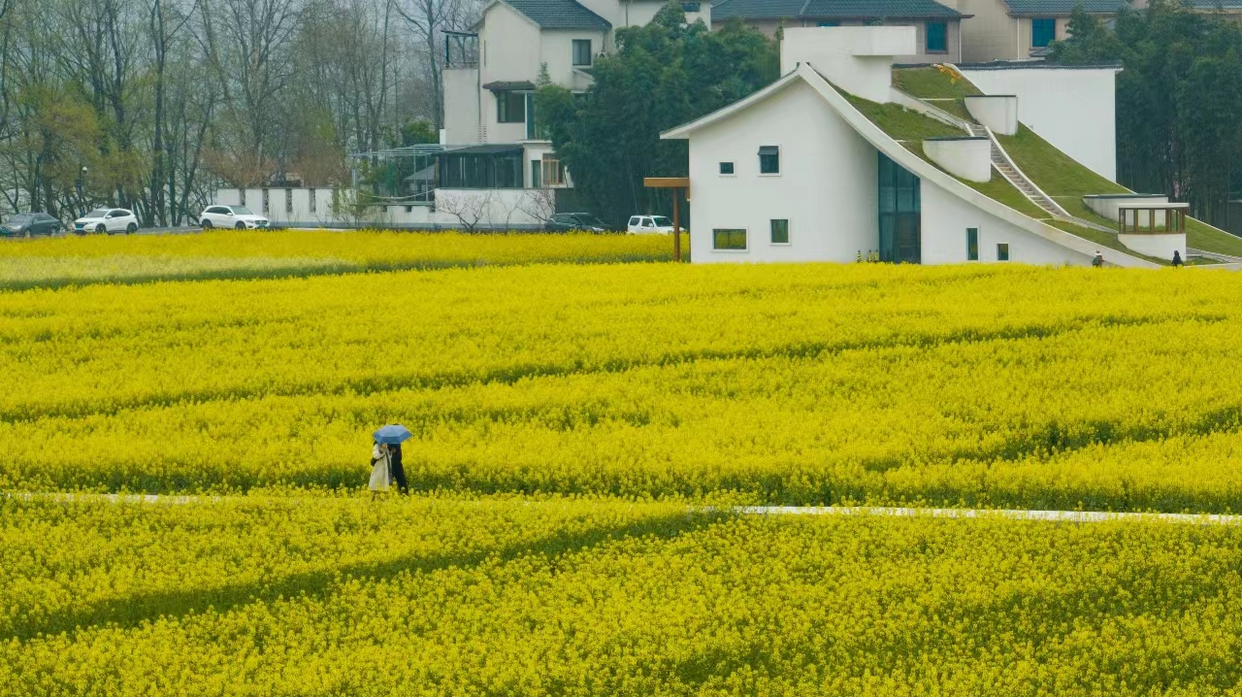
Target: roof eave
(683,131)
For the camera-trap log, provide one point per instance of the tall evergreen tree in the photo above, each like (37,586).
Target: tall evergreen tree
(663,74)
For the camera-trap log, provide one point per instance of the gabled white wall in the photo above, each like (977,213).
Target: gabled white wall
(556,51)
(826,189)
(509,51)
(1074,109)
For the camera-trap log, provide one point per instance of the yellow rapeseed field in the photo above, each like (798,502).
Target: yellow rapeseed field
(994,386)
(344,595)
(580,433)
(276,254)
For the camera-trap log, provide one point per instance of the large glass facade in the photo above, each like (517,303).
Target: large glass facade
(900,214)
(482,167)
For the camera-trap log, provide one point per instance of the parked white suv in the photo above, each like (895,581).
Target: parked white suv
(238,217)
(649,225)
(107,220)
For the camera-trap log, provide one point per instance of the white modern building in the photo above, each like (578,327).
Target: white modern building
(796,172)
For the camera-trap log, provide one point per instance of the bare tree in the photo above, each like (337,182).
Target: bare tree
(469,209)
(539,204)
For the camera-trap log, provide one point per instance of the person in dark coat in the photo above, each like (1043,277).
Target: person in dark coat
(1177,257)
(398,472)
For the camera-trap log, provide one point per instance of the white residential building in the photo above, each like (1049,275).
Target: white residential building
(796,173)
(492,131)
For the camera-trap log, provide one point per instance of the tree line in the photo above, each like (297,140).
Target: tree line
(151,104)
(1179,99)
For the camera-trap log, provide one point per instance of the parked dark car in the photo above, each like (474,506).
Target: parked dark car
(30,224)
(567,222)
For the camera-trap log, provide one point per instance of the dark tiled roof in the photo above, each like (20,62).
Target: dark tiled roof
(502,86)
(812,10)
(559,14)
(1063,7)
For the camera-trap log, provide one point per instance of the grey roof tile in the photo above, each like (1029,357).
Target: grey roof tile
(832,9)
(559,14)
(1062,7)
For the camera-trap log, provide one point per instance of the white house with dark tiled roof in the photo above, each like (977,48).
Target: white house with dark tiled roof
(493,136)
(938,27)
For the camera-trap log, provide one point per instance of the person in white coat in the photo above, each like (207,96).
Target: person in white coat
(381,472)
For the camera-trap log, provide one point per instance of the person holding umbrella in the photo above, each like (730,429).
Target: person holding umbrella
(389,440)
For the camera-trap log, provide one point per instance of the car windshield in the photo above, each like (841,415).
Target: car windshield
(97,213)
(589,220)
(241,210)
(661,221)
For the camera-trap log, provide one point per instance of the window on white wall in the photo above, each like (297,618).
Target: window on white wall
(972,244)
(553,171)
(780,231)
(311,193)
(1002,252)
(729,239)
(769,159)
(289,200)
(510,107)
(582,52)
(726,168)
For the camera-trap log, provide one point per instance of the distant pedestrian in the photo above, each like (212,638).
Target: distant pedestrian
(381,464)
(398,471)
(1177,258)
(1098,261)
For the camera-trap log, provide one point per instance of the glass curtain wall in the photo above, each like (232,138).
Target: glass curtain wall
(482,170)
(900,214)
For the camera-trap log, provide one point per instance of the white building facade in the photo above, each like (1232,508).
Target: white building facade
(796,173)
(491,75)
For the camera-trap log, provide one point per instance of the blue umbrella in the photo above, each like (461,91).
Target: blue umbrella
(392,434)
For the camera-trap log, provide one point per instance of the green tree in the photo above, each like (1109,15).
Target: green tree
(663,74)
(1179,95)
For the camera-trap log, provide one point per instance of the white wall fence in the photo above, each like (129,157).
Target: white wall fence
(453,209)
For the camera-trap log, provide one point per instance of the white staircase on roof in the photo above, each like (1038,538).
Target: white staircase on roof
(1009,170)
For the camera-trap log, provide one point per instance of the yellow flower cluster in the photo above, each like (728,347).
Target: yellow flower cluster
(252,254)
(433,596)
(996,386)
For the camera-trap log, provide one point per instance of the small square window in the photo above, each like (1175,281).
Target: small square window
(780,231)
(769,159)
(972,244)
(1043,31)
(582,52)
(1002,252)
(726,168)
(729,239)
(937,37)
(690,7)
